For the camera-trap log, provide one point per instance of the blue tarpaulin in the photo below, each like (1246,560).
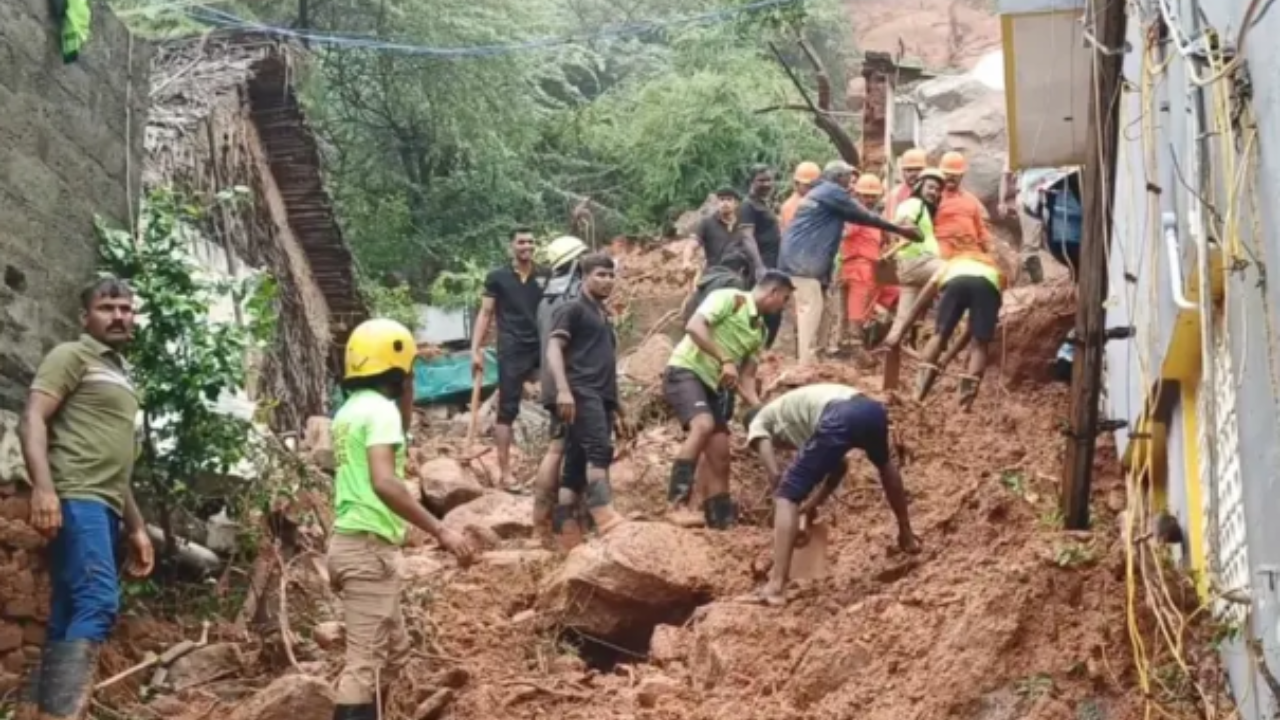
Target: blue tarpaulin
(447,379)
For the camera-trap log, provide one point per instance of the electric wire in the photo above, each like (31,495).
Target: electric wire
(225,20)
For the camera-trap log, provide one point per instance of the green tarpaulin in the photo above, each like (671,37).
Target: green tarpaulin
(448,379)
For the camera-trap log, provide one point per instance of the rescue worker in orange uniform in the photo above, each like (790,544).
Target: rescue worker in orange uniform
(911,164)
(859,252)
(806,174)
(961,222)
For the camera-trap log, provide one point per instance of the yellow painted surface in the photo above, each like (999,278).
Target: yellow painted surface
(1195,499)
(1010,86)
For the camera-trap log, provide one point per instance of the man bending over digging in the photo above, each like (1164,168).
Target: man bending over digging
(824,422)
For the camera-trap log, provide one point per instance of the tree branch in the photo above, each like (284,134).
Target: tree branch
(822,117)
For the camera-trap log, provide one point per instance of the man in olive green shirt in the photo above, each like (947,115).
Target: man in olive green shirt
(715,358)
(79,445)
(824,422)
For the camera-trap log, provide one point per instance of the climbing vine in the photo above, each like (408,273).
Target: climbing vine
(194,335)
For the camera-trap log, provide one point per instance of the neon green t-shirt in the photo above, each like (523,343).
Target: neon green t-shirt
(913,212)
(965,267)
(736,327)
(367,419)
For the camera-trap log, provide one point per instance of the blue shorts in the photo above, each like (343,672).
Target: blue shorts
(83,570)
(858,422)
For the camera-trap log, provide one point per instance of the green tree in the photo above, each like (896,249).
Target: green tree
(182,360)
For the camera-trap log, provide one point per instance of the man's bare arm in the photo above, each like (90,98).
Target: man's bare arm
(555,363)
(487,306)
(699,331)
(133,521)
(34,437)
(747,385)
(768,457)
(390,489)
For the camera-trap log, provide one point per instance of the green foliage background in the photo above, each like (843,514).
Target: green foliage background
(432,161)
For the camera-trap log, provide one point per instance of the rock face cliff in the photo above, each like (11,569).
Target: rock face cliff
(941,33)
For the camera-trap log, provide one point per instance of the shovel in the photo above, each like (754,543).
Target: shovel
(809,561)
(477,381)
(892,369)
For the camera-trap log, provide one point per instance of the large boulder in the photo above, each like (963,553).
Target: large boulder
(292,697)
(645,364)
(619,587)
(446,485)
(966,113)
(503,514)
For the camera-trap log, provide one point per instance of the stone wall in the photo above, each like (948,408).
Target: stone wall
(70,149)
(63,158)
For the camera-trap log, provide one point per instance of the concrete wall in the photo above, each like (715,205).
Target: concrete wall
(70,148)
(63,157)
(1245,439)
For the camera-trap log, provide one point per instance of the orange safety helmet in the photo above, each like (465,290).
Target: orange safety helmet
(914,159)
(868,184)
(807,173)
(953,163)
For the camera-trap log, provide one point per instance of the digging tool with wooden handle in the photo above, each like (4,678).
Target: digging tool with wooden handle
(892,368)
(477,380)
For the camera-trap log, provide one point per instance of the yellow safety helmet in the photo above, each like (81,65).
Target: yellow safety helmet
(377,346)
(564,250)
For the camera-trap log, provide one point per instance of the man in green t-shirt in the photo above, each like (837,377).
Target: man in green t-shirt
(79,444)
(918,261)
(717,357)
(372,509)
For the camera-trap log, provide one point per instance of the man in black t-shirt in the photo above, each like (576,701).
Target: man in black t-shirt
(582,356)
(511,292)
(760,222)
(723,232)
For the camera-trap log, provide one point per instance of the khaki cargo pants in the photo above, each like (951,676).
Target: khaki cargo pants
(365,572)
(913,275)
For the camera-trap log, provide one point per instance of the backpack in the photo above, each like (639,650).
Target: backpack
(715,278)
(560,290)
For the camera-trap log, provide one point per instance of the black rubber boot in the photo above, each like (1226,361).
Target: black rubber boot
(719,511)
(66,679)
(355,712)
(681,482)
(29,701)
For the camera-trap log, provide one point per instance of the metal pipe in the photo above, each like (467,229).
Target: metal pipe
(1169,222)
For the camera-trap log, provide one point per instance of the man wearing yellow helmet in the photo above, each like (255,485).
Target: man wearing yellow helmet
(511,293)
(372,508)
(563,256)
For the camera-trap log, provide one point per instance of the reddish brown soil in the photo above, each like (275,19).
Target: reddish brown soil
(1002,616)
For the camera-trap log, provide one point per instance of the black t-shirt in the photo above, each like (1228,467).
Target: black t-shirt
(716,239)
(768,233)
(591,348)
(516,303)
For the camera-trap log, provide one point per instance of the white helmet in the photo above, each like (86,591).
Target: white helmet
(564,250)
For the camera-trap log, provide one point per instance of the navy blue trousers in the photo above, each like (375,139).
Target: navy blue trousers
(84,573)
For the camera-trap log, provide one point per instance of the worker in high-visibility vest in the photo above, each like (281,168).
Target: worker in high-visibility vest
(970,284)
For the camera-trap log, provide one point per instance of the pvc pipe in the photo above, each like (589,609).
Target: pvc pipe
(1169,222)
